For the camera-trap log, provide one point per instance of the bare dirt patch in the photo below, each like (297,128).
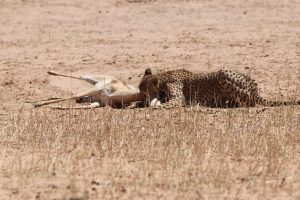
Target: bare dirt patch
(194,153)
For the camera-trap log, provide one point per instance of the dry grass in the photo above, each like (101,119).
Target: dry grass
(140,154)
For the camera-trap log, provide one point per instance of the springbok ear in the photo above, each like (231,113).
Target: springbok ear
(148,72)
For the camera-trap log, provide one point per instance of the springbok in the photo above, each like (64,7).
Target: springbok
(107,90)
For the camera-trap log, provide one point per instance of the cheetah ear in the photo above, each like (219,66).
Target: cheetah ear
(148,72)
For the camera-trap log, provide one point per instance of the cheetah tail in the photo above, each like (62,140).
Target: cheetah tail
(271,103)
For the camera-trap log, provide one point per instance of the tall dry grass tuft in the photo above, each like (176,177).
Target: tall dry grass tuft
(187,152)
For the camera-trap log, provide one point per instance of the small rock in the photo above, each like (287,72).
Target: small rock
(123,190)
(95,182)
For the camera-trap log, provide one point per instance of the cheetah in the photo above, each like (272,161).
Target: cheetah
(223,88)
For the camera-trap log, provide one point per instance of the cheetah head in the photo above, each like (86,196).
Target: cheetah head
(149,84)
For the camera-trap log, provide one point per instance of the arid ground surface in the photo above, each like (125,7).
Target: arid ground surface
(185,153)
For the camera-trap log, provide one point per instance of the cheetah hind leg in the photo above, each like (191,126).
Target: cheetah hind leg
(239,97)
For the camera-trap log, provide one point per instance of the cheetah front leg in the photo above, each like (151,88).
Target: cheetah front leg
(175,95)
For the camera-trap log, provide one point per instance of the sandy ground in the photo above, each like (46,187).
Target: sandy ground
(122,38)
